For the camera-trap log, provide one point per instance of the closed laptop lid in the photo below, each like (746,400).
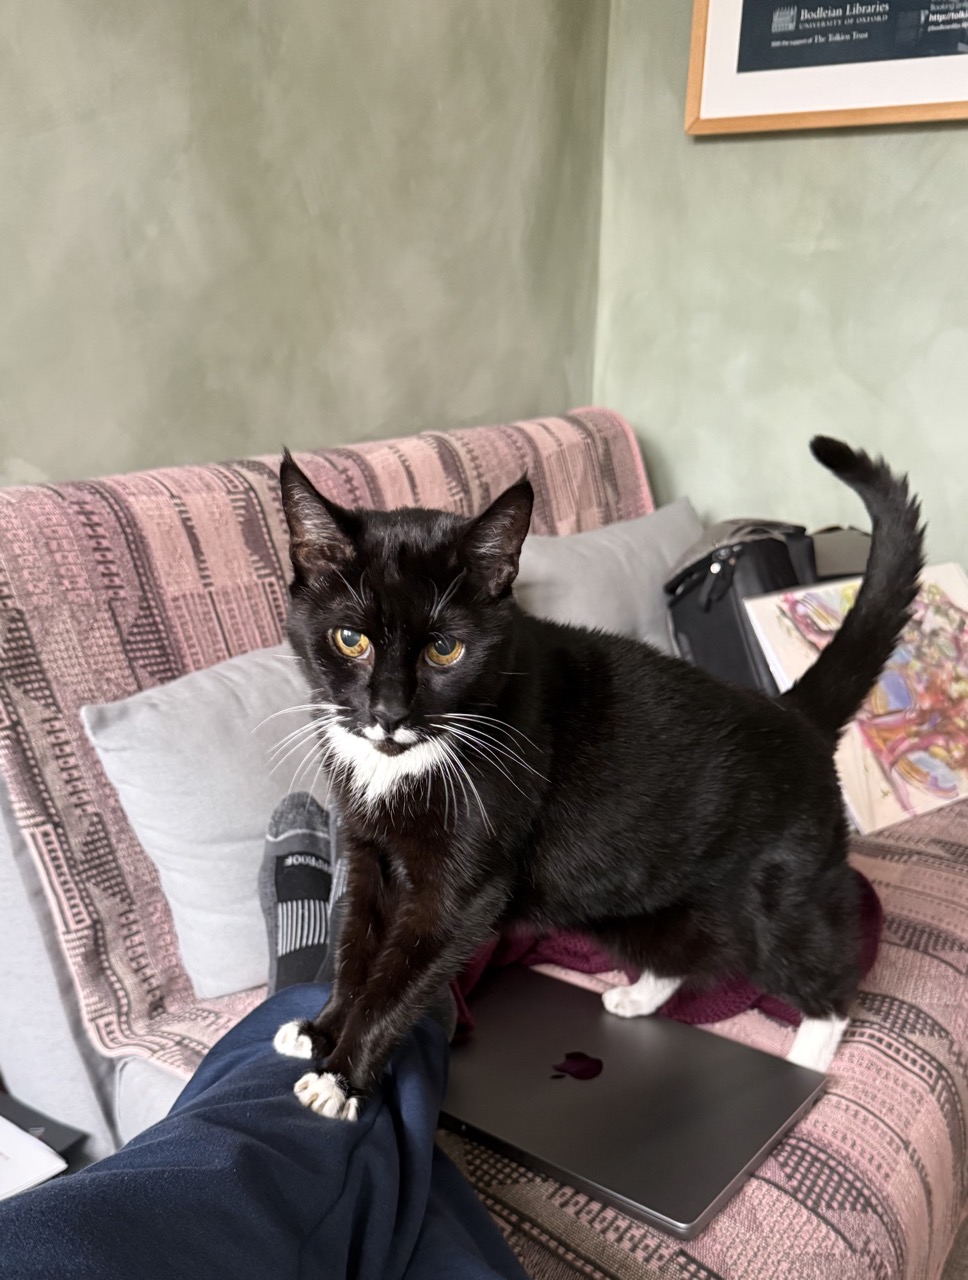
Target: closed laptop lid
(663,1120)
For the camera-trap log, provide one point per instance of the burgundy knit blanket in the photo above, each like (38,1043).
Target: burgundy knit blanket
(578,952)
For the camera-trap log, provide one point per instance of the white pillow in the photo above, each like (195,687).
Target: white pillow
(190,763)
(609,578)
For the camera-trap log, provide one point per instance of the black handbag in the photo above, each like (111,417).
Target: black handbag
(737,559)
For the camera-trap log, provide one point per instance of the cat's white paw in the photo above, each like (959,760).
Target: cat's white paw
(292,1041)
(642,997)
(621,1000)
(324,1095)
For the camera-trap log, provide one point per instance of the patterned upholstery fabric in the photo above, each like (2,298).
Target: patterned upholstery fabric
(115,585)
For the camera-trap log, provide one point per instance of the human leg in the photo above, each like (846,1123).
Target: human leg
(241,1180)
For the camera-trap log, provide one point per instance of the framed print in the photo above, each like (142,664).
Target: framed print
(757,65)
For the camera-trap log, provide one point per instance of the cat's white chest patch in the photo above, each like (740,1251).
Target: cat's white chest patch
(376,775)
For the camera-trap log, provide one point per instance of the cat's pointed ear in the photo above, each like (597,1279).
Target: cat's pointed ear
(320,532)
(491,547)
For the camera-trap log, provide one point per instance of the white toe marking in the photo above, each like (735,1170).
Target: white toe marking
(816,1041)
(292,1042)
(322,1094)
(642,997)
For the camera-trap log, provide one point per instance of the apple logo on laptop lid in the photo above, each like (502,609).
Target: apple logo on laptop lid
(580,1066)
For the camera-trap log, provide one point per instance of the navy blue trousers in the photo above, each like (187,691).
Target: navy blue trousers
(240,1180)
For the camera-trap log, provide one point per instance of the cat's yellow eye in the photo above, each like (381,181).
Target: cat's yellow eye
(444,651)
(351,644)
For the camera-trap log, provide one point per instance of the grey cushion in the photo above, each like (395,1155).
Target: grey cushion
(190,763)
(609,578)
(144,1094)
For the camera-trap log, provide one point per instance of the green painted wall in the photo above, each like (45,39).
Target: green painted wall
(225,224)
(232,224)
(756,291)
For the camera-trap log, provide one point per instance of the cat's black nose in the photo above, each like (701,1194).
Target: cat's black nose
(389,714)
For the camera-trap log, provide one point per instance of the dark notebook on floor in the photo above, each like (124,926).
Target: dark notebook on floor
(59,1137)
(666,1129)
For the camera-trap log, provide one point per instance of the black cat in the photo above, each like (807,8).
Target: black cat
(493,769)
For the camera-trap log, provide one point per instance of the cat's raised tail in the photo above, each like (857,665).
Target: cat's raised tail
(834,688)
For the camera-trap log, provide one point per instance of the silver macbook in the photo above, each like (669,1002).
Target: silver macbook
(662,1120)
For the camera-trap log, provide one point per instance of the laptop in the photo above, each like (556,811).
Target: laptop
(662,1120)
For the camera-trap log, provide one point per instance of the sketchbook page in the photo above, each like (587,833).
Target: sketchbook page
(25,1161)
(793,625)
(906,751)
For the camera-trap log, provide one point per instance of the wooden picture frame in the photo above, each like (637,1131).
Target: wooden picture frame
(859,62)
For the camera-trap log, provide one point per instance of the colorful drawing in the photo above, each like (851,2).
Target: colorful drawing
(914,725)
(915,721)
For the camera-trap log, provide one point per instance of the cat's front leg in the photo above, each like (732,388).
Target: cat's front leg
(362,937)
(373,1028)
(421,953)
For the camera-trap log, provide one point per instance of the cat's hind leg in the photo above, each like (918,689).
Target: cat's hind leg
(816,1042)
(810,959)
(662,946)
(640,998)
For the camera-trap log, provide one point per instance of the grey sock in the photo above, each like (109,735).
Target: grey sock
(295,881)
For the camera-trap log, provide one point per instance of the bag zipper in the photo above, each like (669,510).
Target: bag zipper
(718,576)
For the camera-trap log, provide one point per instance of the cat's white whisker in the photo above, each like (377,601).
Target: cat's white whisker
(478,735)
(443,779)
(463,770)
(493,722)
(317,755)
(324,759)
(502,770)
(357,595)
(305,731)
(450,793)
(450,778)
(456,723)
(457,774)
(308,738)
(288,711)
(442,601)
(487,752)
(307,746)
(293,741)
